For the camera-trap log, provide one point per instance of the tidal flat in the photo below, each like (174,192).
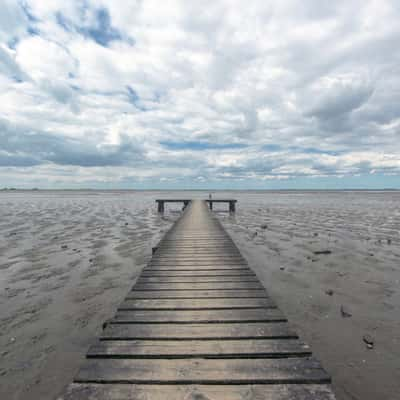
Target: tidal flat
(330,260)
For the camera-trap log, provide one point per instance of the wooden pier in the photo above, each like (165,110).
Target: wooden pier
(161,203)
(198,325)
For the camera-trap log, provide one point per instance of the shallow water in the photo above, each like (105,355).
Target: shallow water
(68,258)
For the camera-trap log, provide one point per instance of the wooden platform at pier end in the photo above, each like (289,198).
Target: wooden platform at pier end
(198,325)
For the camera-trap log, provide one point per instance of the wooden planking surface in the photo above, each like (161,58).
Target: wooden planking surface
(176,251)
(82,391)
(199,286)
(193,294)
(196,304)
(202,371)
(250,348)
(195,272)
(195,279)
(227,331)
(195,264)
(195,267)
(199,316)
(199,322)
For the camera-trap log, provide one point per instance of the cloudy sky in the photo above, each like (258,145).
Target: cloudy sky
(192,94)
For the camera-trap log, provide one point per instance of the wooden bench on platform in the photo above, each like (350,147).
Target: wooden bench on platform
(161,203)
(199,325)
(232,203)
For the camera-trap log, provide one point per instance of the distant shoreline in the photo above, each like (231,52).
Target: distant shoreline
(194,190)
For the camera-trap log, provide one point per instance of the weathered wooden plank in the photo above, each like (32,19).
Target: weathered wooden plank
(247,348)
(193,257)
(201,247)
(82,391)
(213,247)
(197,244)
(195,279)
(193,304)
(203,371)
(199,286)
(227,331)
(225,253)
(199,316)
(208,238)
(195,272)
(185,241)
(196,294)
(195,267)
(217,253)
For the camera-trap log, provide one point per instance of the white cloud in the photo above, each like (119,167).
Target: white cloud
(44,59)
(201,90)
(13,20)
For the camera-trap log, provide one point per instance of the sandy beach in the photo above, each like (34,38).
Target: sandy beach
(329,259)
(66,261)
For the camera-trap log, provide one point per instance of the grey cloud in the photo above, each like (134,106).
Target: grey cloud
(9,67)
(62,92)
(339,100)
(21,147)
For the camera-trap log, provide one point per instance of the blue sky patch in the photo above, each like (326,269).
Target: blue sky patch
(134,98)
(271,147)
(194,145)
(102,32)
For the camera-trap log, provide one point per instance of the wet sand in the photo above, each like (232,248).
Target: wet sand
(324,256)
(67,259)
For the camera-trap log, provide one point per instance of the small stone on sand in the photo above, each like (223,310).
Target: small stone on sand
(345,312)
(329,292)
(322,252)
(369,341)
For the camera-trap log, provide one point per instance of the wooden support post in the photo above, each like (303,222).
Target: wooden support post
(160,206)
(232,206)
(211,205)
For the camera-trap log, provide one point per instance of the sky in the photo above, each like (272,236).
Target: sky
(200,94)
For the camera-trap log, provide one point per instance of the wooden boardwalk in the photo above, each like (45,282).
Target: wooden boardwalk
(198,325)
